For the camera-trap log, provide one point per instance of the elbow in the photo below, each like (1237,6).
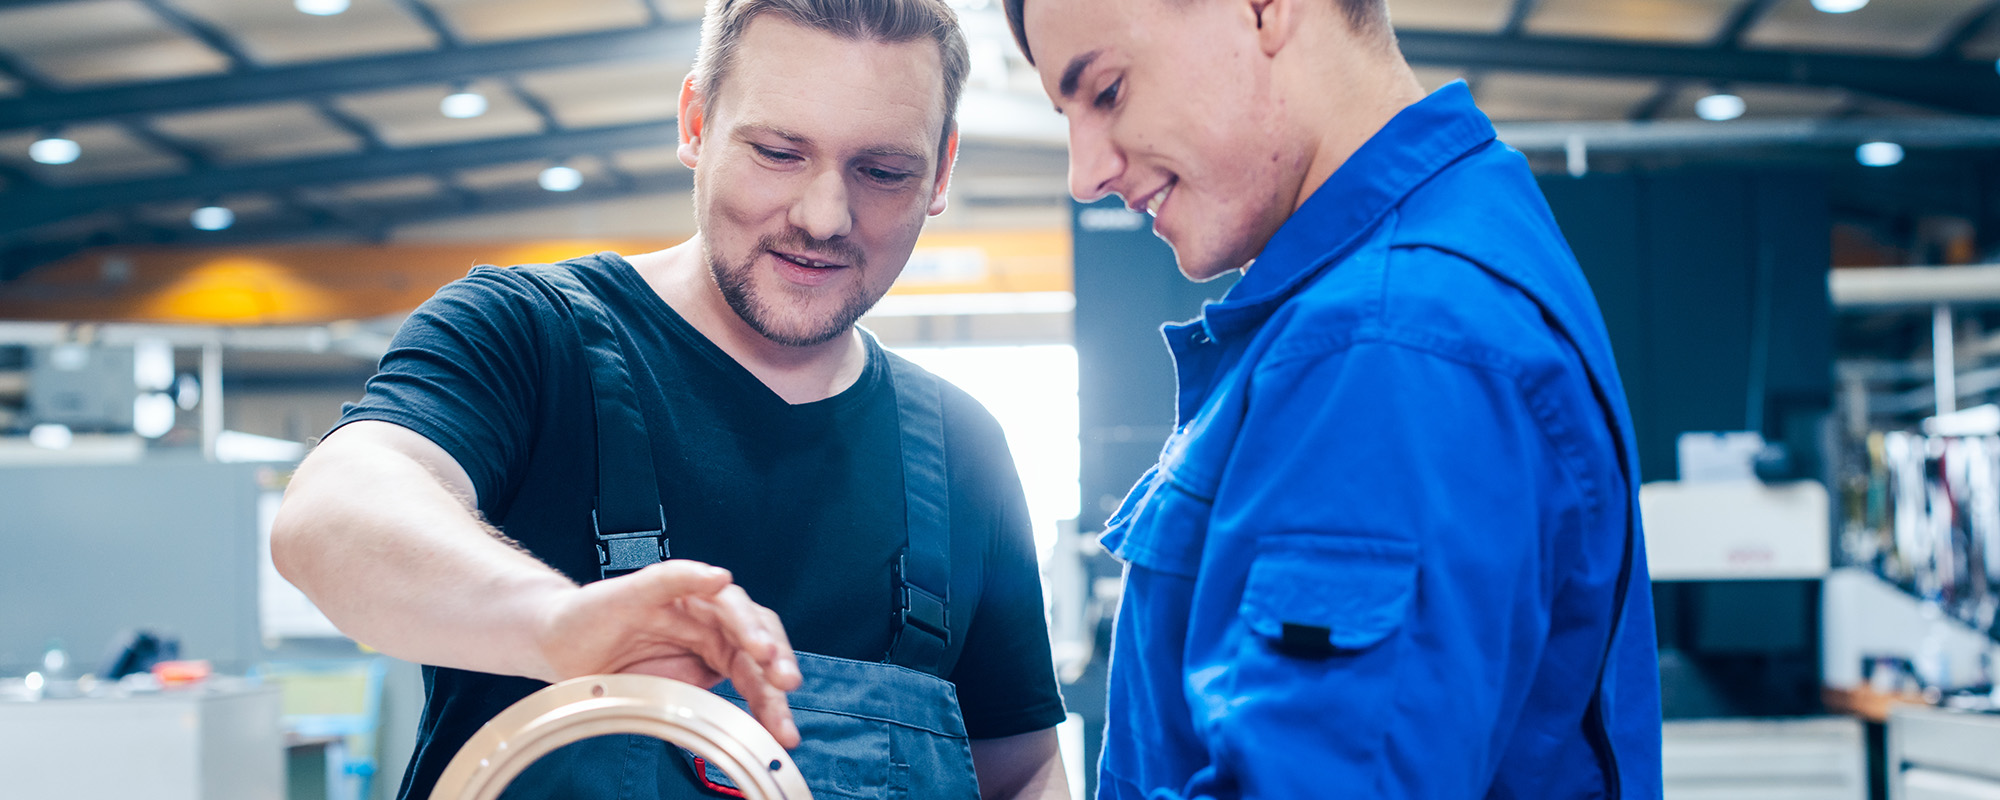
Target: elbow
(287,540)
(293,528)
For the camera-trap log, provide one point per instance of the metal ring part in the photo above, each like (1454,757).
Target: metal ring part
(598,705)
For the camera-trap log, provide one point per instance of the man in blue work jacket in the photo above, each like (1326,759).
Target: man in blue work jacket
(1391,549)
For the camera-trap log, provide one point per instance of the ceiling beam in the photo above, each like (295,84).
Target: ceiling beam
(1698,135)
(1740,20)
(1970,87)
(270,84)
(1517,17)
(22,210)
(1967,28)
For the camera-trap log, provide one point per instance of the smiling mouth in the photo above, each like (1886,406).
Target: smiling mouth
(806,262)
(1159,198)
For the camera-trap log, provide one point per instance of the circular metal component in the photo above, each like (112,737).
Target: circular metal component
(598,705)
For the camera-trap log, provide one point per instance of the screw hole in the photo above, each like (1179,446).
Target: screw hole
(597,690)
(777,765)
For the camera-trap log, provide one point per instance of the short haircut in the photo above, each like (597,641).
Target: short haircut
(867,21)
(885,21)
(1368,17)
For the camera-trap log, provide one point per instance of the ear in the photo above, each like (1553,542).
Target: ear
(1277,23)
(944,173)
(692,116)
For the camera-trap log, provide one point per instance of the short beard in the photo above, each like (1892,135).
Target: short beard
(738,289)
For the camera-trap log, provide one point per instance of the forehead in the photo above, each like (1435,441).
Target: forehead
(1059,30)
(835,90)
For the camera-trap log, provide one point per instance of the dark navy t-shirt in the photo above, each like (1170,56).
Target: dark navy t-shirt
(802,503)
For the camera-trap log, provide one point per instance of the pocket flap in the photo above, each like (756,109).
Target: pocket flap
(1356,588)
(1165,533)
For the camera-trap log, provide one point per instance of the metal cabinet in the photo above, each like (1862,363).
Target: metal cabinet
(220,742)
(1943,755)
(1810,758)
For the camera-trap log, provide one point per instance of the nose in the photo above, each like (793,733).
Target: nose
(822,210)
(1094,162)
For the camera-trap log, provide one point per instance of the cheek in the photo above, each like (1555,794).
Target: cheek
(745,193)
(886,218)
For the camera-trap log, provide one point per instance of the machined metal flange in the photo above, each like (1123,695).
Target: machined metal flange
(599,705)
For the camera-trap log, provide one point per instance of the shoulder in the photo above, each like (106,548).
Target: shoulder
(966,420)
(1420,298)
(490,290)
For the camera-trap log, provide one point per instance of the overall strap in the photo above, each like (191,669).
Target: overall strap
(923,570)
(628,519)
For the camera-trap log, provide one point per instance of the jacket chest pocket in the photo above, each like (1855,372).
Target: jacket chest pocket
(1163,528)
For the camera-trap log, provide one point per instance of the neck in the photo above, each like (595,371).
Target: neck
(1374,85)
(798,374)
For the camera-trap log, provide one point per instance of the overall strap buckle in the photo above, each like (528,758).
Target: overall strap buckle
(917,607)
(626,553)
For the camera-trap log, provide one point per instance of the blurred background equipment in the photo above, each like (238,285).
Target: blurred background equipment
(215,213)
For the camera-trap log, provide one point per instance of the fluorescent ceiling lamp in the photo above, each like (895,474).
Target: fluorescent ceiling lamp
(1719,107)
(462,105)
(560,179)
(54,150)
(320,8)
(212,218)
(1879,154)
(1839,6)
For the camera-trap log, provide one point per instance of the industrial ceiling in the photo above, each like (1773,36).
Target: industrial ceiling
(309,126)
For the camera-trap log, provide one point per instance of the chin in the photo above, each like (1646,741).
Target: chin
(1203,267)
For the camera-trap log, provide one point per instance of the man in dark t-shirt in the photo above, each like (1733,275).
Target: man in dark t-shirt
(447,519)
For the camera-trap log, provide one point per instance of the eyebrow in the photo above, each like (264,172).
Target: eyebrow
(895,152)
(767,130)
(1074,72)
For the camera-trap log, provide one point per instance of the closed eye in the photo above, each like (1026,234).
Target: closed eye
(774,155)
(886,177)
(1108,97)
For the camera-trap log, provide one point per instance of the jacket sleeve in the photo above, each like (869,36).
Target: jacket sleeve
(1397,502)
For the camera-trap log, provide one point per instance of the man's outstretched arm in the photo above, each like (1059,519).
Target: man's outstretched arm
(378,529)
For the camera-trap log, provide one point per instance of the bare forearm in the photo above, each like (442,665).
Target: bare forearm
(399,562)
(1023,767)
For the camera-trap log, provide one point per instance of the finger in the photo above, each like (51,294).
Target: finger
(767,702)
(689,668)
(783,668)
(746,624)
(682,577)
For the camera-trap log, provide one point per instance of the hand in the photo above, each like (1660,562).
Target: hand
(678,619)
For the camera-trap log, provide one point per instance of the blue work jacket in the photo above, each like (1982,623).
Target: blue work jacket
(1391,549)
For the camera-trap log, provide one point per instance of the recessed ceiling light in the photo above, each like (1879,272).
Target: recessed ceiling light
(1839,6)
(1719,107)
(320,8)
(1879,154)
(54,150)
(462,105)
(212,218)
(560,179)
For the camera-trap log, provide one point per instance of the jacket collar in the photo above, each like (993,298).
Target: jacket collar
(1415,145)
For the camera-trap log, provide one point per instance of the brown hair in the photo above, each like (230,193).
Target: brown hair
(1369,17)
(886,21)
